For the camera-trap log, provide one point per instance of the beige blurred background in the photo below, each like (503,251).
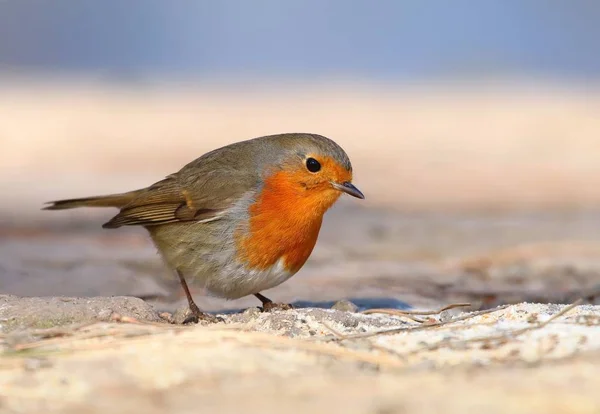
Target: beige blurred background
(441,107)
(499,146)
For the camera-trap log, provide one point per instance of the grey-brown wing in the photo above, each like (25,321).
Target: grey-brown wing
(200,194)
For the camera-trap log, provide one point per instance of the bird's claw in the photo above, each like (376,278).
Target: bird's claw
(272,306)
(196,315)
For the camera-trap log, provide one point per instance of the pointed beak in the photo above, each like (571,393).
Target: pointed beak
(348,188)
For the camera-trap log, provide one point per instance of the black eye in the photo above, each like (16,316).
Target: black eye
(313,165)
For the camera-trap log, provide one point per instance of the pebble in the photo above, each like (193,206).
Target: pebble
(345,306)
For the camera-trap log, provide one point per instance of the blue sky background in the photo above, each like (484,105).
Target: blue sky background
(383,40)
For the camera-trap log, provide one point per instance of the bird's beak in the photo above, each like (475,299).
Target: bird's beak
(348,188)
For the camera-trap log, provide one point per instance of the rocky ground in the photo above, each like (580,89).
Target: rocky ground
(118,354)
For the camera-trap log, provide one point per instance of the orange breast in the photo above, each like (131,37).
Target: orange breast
(284,223)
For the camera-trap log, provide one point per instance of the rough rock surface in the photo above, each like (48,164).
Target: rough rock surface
(512,359)
(48,312)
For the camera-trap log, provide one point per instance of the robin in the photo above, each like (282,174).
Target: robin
(240,219)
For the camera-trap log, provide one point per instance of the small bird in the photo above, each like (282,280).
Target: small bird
(240,219)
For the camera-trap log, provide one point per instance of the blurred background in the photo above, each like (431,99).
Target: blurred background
(473,127)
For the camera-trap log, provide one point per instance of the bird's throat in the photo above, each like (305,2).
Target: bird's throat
(284,224)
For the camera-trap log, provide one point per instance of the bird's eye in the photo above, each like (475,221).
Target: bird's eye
(313,165)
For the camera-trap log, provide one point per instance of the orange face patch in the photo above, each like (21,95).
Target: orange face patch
(286,217)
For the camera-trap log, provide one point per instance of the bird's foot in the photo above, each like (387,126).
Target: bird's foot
(203,317)
(197,316)
(272,306)
(268,305)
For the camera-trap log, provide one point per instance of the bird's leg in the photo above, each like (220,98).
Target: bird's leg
(197,315)
(269,305)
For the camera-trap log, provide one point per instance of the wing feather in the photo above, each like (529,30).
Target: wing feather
(192,194)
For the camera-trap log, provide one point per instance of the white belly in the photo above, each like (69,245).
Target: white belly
(235,281)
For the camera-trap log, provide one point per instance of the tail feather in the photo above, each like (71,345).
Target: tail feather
(113,200)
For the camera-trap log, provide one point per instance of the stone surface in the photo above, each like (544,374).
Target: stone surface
(303,360)
(18,313)
(345,305)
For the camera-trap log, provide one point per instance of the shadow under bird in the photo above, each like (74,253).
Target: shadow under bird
(240,219)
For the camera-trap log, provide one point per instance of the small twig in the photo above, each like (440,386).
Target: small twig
(504,337)
(518,332)
(416,312)
(333,330)
(394,312)
(422,327)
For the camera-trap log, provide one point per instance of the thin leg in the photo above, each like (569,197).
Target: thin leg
(197,314)
(265,300)
(269,305)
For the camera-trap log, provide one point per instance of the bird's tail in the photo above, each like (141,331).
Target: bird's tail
(113,200)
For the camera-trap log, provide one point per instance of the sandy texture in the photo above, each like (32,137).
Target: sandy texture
(295,361)
(21,313)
